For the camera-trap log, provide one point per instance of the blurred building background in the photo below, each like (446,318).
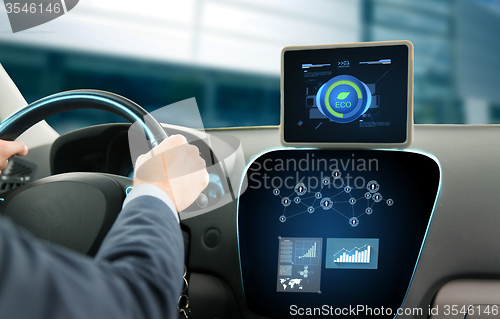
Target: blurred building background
(226,53)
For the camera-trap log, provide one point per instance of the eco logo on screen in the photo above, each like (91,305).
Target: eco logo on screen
(24,15)
(343,99)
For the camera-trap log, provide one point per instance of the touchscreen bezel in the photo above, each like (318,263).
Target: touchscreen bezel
(341,145)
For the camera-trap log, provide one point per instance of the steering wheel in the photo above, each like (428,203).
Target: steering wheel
(75,210)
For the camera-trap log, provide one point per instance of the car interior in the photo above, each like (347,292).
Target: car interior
(346,208)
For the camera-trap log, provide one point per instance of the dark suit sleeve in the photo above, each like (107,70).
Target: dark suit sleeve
(137,272)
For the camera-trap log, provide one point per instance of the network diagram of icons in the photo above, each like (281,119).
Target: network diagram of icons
(343,99)
(343,199)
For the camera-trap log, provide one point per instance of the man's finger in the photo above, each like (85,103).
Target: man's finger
(141,160)
(170,142)
(9,149)
(4,165)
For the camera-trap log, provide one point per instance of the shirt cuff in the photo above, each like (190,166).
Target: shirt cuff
(151,190)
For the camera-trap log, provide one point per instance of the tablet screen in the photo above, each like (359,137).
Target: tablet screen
(347,95)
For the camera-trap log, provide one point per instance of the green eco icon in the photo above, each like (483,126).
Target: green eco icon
(343,95)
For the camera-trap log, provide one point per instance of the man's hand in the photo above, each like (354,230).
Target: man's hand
(9,149)
(176,167)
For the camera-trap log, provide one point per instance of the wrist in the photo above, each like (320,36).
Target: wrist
(164,186)
(147,189)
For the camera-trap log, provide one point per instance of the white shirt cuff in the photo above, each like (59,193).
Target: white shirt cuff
(151,190)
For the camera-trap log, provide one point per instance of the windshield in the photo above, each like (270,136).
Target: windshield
(226,54)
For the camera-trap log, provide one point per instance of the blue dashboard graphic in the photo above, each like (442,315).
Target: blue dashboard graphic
(343,99)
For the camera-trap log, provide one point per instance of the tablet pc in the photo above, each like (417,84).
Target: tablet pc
(356,95)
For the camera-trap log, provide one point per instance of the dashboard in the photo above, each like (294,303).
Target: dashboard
(457,263)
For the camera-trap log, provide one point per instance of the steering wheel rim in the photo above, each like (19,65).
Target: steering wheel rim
(19,122)
(94,199)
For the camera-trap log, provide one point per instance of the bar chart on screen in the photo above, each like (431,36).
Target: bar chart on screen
(306,252)
(357,255)
(352,253)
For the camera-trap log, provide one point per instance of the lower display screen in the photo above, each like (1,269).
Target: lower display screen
(339,229)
